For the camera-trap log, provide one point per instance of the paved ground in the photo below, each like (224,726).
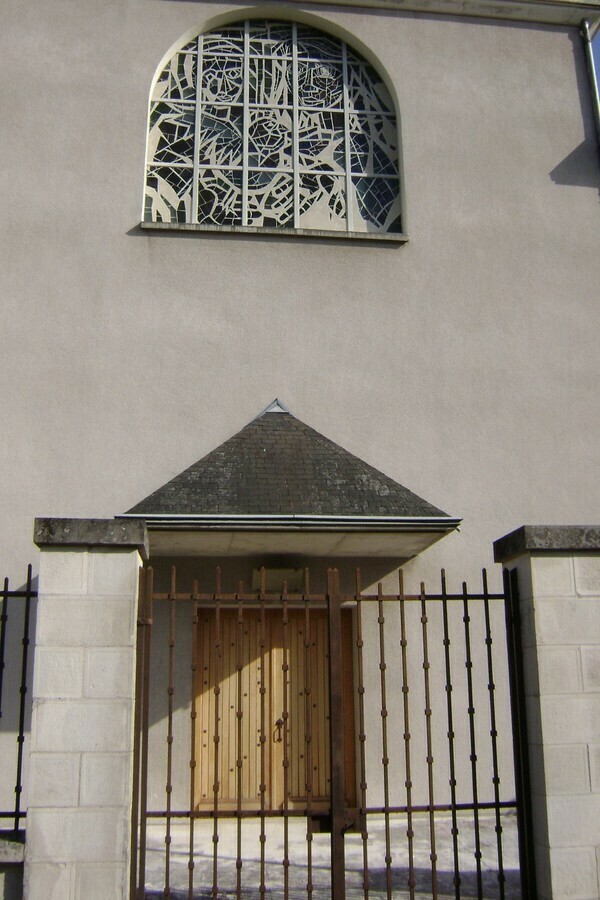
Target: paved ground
(203,861)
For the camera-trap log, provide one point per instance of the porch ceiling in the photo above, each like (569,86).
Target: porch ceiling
(331,542)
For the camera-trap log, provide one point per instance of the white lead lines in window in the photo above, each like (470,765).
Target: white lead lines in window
(272,124)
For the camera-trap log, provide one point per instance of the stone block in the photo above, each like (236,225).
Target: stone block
(109,673)
(71,622)
(569,719)
(566,769)
(534,720)
(594,758)
(48,881)
(530,671)
(523,567)
(568,621)
(587,575)
(11,882)
(574,874)
(58,673)
(552,576)
(63,572)
(536,769)
(559,670)
(114,572)
(540,821)
(100,882)
(574,821)
(54,779)
(527,610)
(77,835)
(106,779)
(12,851)
(590,666)
(63,726)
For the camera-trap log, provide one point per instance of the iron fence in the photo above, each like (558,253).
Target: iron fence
(15,626)
(336,745)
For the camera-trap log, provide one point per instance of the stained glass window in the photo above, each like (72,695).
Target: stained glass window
(272,124)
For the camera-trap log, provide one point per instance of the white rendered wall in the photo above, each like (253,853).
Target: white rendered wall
(462,364)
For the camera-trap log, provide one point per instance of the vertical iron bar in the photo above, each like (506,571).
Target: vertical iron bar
(473,755)
(145,718)
(216,736)
(23,693)
(170,693)
(408,782)
(239,737)
(286,762)
(426,666)
(336,738)
(520,737)
(450,713)
(493,733)
(263,748)
(135,802)
(384,741)
(308,743)
(3,626)
(193,716)
(362,737)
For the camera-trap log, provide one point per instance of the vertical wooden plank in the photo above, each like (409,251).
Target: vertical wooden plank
(239,721)
(139,669)
(145,723)
(193,734)
(349,722)
(218,706)
(362,737)
(336,722)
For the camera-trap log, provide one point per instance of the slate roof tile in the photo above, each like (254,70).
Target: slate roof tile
(278,465)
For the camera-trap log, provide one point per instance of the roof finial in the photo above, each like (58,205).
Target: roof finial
(275,407)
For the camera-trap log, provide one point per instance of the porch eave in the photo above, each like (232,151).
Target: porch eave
(295,535)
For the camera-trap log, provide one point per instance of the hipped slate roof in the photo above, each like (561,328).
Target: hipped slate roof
(278,466)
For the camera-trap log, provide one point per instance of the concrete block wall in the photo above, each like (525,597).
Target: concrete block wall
(78,822)
(559,590)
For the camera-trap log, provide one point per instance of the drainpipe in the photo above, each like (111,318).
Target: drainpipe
(587,43)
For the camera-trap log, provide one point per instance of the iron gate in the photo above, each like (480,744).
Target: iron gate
(15,627)
(327,745)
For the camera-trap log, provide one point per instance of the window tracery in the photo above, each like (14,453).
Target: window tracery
(272,124)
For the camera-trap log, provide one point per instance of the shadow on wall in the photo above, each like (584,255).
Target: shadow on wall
(581,167)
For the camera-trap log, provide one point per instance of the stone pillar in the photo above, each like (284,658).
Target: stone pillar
(80,775)
(559,588)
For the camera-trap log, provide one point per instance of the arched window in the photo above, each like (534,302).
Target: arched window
(265,124)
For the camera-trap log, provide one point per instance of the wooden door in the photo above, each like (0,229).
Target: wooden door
(305,686)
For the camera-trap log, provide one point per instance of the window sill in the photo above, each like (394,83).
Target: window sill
(396,238)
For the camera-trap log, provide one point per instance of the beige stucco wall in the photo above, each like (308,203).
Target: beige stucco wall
(462,364)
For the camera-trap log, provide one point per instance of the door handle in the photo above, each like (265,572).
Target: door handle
(277,733)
